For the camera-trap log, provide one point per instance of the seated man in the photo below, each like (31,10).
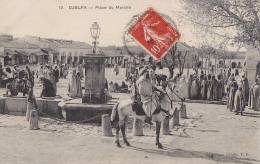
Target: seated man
(47,89)
(146,89)
(10,88)
(124,87)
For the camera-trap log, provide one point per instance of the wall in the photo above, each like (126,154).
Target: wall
(18,106)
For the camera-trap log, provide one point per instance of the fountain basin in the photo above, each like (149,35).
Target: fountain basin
(77,111)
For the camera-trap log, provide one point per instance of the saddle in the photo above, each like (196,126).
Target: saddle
(137,107)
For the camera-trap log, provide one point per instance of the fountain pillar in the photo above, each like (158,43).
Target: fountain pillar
(94,79)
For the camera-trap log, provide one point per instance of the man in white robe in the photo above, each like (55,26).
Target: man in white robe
(145,89)
(256,94)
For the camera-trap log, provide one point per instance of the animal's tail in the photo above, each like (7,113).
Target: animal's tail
(114,115)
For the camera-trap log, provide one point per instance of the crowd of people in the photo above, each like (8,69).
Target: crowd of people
(50,75)
(230,85)
(22,78)
(233,87)
(115,87)
(16,79)
(241,95)
(200,86)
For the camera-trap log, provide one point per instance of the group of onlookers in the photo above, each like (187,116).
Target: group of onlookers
(201,86)
(9,73)
(60,71)
(115,87)
(206,87)
(233,86)
(74,87)
(198,86)
(241,95)
(16,79)
(50,75)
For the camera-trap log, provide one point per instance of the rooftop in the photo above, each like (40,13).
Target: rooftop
(55,43)
(19,44)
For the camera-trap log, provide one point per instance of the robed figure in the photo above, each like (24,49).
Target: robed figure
(214,88)
(239,103)
(65,71)
(183,88)
(47,88)
(74,85)
(210,88)
(78,84)
(245,88)
(220,88)
(195,89)
(116,69)
(204,88)
(56,74)
(52,79)
(189,86)
(251,96)
(255,96)
(80,69)
(231,94)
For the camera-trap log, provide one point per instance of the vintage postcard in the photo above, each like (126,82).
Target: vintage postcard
(129,81)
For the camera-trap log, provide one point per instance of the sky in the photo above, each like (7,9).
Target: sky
(44,18)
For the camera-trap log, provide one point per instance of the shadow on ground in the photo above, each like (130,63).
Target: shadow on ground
(251,114)
(180,153)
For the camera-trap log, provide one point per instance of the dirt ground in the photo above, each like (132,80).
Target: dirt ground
(211,134)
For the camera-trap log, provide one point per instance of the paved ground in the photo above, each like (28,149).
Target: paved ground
(211,134)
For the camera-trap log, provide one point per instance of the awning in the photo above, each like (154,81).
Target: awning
(49,50)
(20,52)
(26,52)
(10,52)
(32,51)
(40,54)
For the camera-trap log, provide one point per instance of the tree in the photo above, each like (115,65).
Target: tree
(181,61)
(171,60)
(174,58)
(196,61)
(240,18)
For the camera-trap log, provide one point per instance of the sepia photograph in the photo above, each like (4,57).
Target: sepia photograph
(129,81)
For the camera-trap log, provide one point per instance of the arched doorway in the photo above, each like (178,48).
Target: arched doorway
(69,60)
(233,65)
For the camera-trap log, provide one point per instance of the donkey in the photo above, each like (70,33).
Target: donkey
(123,109)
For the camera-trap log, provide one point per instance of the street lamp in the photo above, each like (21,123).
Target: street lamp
(95,32)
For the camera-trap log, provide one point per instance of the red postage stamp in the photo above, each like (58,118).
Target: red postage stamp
(154,33)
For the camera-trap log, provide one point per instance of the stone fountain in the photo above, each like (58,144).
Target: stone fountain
(94,102)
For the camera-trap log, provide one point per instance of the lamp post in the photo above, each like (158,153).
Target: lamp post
(94,72)
(95,32)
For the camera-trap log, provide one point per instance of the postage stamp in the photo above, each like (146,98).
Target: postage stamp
(154,33)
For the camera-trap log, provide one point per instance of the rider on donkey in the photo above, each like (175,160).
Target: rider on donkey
(145,91)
